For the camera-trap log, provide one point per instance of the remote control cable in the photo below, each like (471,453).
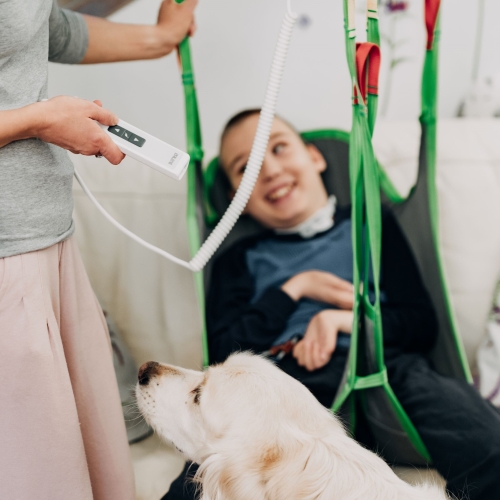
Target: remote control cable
(257,153)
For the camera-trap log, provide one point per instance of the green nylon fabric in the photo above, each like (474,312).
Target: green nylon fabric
(366,212)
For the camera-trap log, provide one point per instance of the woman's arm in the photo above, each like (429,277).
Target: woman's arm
(111,42)
(67,122)
(17,124)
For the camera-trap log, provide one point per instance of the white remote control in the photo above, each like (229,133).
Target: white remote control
(148,149)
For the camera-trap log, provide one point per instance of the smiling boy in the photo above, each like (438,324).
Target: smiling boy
(294,282)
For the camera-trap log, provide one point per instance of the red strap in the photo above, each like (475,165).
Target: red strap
(431,13)
(367,53)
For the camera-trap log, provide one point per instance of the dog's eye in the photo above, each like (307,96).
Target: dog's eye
(197,393)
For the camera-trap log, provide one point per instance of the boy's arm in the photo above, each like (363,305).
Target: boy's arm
(233,323)
(408,317)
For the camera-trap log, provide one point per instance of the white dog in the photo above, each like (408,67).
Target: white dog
(258,434)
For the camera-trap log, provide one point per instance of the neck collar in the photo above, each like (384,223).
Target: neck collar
(320,221)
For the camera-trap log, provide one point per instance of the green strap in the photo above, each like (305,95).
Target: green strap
(195,150)
(374,380)
(372,26)
(373,36)
(193,130)
(428,119)
(365,192)
(366,216)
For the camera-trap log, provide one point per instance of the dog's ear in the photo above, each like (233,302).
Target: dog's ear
(229,479)
(292,471)
(208,476)
(296,470)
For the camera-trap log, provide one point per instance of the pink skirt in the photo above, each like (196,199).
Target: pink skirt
(62,435)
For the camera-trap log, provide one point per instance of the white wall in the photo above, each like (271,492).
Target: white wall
(232,53)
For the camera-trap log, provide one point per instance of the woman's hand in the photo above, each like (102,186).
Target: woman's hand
(176,21)
(71,123)
(318,344)
(321,286)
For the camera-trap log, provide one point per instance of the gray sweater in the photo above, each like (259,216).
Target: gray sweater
(36,202)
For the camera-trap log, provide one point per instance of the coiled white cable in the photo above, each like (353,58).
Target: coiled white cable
(259,146)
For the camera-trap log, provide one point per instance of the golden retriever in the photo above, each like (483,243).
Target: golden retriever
(259,434)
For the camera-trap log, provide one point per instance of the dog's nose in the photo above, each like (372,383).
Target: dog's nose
(146,371)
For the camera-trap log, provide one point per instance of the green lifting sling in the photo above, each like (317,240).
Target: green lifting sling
(365,377)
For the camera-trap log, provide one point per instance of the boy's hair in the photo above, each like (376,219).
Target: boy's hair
(236,119)
(241,117)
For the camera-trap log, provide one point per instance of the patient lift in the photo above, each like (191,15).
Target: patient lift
(355,177)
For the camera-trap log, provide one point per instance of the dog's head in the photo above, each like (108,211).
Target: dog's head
(238,402)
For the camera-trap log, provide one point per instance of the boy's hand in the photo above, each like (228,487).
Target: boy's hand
(316,348)
(321,286)
(70,123)
(176,21)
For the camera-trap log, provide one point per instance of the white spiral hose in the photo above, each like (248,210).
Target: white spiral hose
(259,147)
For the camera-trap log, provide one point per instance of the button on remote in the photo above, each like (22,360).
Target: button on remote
(117,130)
(126,135)
(136,140)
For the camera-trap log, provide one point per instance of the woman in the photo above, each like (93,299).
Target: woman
(61,429)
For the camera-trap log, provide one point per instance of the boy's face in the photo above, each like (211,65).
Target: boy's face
(289,188)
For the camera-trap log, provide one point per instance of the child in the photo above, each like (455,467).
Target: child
(295,281)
